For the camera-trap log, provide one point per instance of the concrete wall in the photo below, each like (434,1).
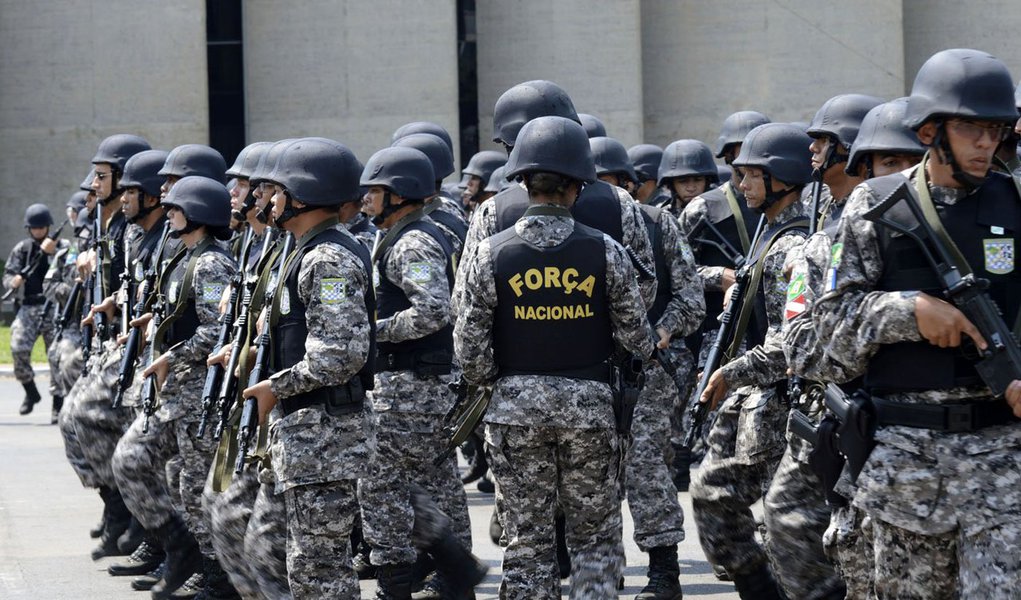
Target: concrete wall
(72,72)
(704,60)
(934,25)
(589,47)
(349,70)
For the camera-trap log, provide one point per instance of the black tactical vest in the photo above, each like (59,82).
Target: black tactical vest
(142,256)
(450,222)
(986,227)
(33,285)
(552,315)
(429,355)
(291,329)
(186,324)
(597,206)
(651,214)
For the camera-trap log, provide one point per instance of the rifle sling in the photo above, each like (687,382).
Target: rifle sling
(186,285)
(735,207)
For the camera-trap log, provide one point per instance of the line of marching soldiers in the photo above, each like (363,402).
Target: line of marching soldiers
(267,373)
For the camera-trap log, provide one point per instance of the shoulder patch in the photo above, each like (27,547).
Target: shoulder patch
(999,255)
(333,290)
(212,292)
(419,272)
(836,254)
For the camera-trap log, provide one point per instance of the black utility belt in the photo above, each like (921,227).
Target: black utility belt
(337,400)
(422,363)
(952,418)
(33,300)
(601,373)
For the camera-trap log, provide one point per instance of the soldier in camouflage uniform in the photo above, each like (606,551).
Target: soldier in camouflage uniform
(943,500)
(550,424)
(414,277)
(321,327)
(475,178)
(25,273)
(190,288)
(645,159)
(747,440)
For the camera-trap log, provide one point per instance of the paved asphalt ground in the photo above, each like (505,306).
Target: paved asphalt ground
(45,516)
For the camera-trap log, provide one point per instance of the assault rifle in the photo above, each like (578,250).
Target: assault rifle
(718,241)
(126,375)
(228,391)
(149,385)
(462,419)
(68,310)
(214,374)
(1000,362)
(260,370)
(95,295)
(813,222)
(35,262)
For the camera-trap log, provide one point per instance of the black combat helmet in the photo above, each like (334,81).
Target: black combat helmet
(840,117)
(142,171)
(482,165)
(526,101)
(883,130)
(967,84)
(423,127)
(203,201)
(118,148)
(317,172)
(195,159)
(77,200)
(736,127)
(497,181)
(435,148)
(610,158)
(593,126)
(38,215)
(687,158)
(247,160)
(646,158)
(779,149)
(552,145)
(268,160)
(86,184)
(406,172)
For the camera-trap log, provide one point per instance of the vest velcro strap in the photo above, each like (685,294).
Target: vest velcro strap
(338,400)
(951,418)
(423,363)
(601,373)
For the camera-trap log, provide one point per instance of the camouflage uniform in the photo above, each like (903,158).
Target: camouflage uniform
(265,539)
(456,221)
(318,455)
(552,439)
(652,498)
(945,507)
(409,410)
(64,354)
(747,440)
(362,228)
(140,460)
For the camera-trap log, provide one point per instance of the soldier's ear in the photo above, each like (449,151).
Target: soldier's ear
(927,133)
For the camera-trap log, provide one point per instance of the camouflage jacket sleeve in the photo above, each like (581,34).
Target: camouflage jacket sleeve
(695,211)
(686,309)
(213,272)
(483,225)
(417,265)
(15,262)
(636,238)
(331,284)
(766,363)
(630,323)
(473,330)
(58,283)
(854,317)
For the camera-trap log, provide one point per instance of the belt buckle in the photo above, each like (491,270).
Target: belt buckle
(959,418)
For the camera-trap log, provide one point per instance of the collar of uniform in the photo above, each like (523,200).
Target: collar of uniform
(794,210)
(548,210)
(946,196)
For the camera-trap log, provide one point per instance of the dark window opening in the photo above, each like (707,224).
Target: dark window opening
(225,62)
(467,80)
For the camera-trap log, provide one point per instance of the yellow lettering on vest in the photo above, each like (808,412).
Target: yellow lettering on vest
(570,280)
(588,311)
(557,313)
(588,286)
(530,313)
(519,312)
(542,313)
(533,279)
(552,277)
(516,283)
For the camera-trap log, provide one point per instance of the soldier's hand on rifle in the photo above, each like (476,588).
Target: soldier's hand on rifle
(142,320)
(86,263)
(122,339)
(664,338)
(219,358)
(263,394)
(715,390)
(17,282)
(942,324)
(160,367)
(728,279)
(107,307)
(1014,397)
(48,246)
(224,300)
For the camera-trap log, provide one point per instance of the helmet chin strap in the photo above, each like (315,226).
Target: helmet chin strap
(946,154)
(388,209)
(290,211)
(188,228)
(246,207)
(772,198)
(143,210)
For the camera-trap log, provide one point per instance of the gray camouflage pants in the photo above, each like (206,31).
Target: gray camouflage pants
(265,544)
(28,325)
(320,518)
(72,444)
(229,513)
(99,426)
(848,543)
(538,466)
(66,356)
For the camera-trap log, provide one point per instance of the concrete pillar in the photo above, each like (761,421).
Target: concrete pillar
(74,72)
(349,70)
(934,25)
(704,60)
(589,47)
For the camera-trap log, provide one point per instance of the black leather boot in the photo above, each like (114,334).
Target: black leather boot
(216,584)
(183,557)
(129,540)
(758,585)
(458,571)
(145,558)
(681,468)
(32,398)
(563,556)
(58,403)
(144,583)
(118,519)
(664,575)
(394,582)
